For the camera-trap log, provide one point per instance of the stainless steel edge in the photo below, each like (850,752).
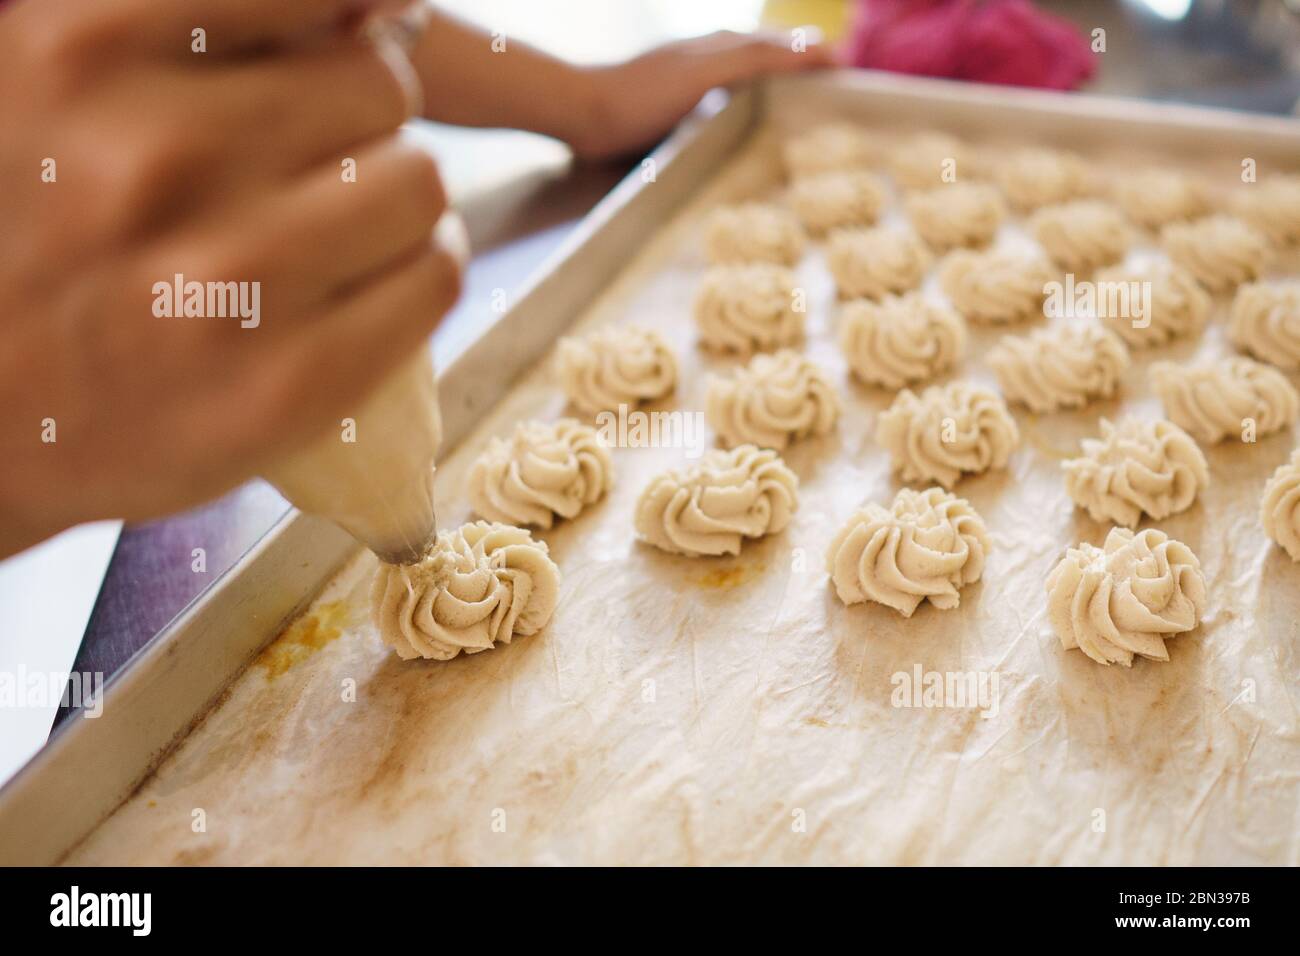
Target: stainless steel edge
(562,286)
(93,764)
(1063,119)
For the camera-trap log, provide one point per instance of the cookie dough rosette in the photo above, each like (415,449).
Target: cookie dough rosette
(748,308)
(623,365)
(926,546)
(1126,599)
(544,471)
(774,400)
(946,432)
(1136,467)
(710,508)
(481,585)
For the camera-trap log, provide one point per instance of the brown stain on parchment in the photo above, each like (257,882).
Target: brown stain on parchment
(303,638)
(725,579)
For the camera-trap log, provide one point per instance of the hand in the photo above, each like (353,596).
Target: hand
(638,102)
(128,159)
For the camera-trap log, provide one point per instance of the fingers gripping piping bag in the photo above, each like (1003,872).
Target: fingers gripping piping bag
(379,487)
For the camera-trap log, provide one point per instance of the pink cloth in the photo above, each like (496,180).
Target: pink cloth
(1010,42)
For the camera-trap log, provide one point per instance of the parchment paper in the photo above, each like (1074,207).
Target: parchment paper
(681,711)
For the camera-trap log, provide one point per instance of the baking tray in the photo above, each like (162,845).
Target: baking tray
(92,766)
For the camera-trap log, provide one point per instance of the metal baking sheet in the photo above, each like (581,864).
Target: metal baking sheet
(686,732)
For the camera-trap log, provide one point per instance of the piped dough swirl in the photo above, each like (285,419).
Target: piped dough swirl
(899,341)
(543,471)
(1137,466)
(1265,321)
(1279,510)
(1127,598)
(774,400)
(748,307)
(957,214)
(1272,206)
(1221,252)
(1083,235)
(947,431)
(871,263)
(837,200)
(1212,401)
(831,146)
(711,507)
(753,232)
(1033,177)
(997,286)
(1178,306)
(1066,367)
(926,546)
(481,584)
(924,160)
(624,365)
(1156,197)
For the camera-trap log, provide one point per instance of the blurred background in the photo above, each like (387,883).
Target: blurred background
(92,597)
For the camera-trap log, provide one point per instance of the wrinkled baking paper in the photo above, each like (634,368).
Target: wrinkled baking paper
(731,710)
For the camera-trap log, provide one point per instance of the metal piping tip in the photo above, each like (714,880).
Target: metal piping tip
(407,553)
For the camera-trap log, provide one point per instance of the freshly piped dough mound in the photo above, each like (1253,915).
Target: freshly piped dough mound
(1272,206)
(1211,401)
(753,232)
(1082,235)
(922,161)
(1279,511)
(1179,307)
(899,341)
(1265,322)
(748,307)
(774,400)
(996,287)
(482,584)
(957,214)
(1042,177)
(870,263)
(1219,251)
(1067,367)
(829,147)
(545,470)
(711,508)
(837,200)
(623,365)
(927,545)
(947,431)
(1156,197)
(1137,466)
(1127,598)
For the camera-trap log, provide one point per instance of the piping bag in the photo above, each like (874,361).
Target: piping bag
(375,479)
(374,476)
